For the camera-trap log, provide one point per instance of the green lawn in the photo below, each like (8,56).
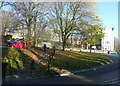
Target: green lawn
(71,60)
(62,60)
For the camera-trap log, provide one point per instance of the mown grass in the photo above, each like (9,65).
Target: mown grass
(62,60)
(71,60)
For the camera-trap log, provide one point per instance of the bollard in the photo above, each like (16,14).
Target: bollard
(53,50)
(53,53)
(50,59)
(49,62)
(48,65)
(45,47)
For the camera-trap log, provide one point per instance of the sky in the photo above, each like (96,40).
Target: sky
(108,12)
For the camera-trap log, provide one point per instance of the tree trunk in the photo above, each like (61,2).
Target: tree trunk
(34,43)
(90,48)
(71,40)
(64,44)
(82,46)
(35,36)
(59,38)
(87,45)
(28,35)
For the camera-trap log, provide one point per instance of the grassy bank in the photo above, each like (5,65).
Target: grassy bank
(15,58)
(71,60)
(18,59)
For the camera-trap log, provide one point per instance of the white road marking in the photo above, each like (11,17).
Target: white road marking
(113,81)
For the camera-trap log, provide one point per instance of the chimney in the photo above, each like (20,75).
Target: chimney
(112,28)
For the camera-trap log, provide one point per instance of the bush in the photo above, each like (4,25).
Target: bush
(5,38)
(12,57)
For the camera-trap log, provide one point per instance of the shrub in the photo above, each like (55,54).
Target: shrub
(12,57)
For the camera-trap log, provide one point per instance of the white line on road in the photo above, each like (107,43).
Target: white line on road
(112,81)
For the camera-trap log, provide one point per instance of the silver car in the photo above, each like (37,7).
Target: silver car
(84,50)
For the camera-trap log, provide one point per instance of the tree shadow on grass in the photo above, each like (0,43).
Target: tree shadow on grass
(39,68)
(25,58)
(69,63)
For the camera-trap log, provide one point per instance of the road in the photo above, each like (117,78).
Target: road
(107,75)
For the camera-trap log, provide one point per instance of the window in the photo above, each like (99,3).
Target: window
(107,42)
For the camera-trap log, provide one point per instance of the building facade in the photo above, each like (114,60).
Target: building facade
(107,42)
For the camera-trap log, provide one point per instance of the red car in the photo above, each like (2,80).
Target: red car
(24,43)
(17,45)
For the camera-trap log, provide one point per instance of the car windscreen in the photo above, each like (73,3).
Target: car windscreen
(11,42)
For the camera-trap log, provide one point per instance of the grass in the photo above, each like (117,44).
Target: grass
(71,60)
(19,59)
(62,60)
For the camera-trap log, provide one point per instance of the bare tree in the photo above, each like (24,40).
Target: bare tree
(28,14)
(71,16)
(9,21)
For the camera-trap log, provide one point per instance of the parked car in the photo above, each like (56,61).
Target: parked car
(118,51)
(17,45)
(58,47)
(23,42)
(10,42)
(112,52)
(84,50)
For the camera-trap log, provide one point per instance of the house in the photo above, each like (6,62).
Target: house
(16,34)
(53,36)
(107,42)
(47,32)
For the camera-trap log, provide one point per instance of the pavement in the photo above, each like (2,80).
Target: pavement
(94,77)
